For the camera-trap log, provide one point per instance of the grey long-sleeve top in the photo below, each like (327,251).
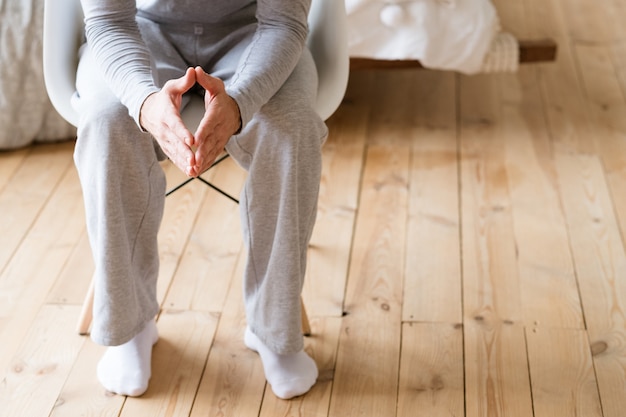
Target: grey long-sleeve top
(114,38)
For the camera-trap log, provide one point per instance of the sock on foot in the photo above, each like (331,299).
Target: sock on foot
(289,375)
(126,369)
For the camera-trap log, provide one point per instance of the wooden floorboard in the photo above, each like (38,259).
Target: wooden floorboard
(548,286)
(37,372)
(563,379)
(433,214)
(496,368)
(374,293)
(431,374)
(601,269)
(468,258)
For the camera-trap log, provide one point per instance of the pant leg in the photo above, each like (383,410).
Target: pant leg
(124,190)
(123,187)
(281,149)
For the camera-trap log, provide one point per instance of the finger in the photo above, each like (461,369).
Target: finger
(204,129)
(184,160)
(181,154)
(202,149)
(172,125)
(211,84)
(211,137)
(177,126)
(206,155)
(183,84)
(206,162)
(201,155)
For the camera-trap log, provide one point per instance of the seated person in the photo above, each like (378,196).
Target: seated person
(248,58)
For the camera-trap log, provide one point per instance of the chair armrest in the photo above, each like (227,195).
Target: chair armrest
(328,43)
(62,32)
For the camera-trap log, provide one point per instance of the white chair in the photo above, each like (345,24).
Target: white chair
(63,34)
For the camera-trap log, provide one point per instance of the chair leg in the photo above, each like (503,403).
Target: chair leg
(86,315)
(306,327)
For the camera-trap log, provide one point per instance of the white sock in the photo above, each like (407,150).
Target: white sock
(126,369)
(289,375)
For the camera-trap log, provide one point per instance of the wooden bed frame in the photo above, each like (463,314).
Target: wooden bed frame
(530,51)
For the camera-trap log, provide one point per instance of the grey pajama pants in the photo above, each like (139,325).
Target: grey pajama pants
(124,187)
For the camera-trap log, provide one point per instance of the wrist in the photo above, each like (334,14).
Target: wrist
(238,118)
(143,111)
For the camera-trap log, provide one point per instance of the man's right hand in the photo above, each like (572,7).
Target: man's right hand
(160,115)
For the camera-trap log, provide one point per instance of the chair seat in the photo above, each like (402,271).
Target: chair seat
(193,112)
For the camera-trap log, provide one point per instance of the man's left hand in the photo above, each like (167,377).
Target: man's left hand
(221,120)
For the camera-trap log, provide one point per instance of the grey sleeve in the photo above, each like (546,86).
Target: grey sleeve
(272,55)
(119,50)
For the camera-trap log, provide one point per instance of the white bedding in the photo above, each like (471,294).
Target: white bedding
(441,34)
(26,114)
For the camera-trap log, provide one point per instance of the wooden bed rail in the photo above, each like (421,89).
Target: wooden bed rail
(530,51)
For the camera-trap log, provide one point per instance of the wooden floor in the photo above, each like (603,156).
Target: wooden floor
(468,258)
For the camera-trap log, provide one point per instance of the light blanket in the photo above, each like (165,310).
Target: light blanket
(441,34)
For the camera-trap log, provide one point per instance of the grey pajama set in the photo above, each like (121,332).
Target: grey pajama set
(258,49)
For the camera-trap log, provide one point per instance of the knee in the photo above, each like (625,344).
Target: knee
(297,146)
(297,126)
(290,136)
(105,129)
(104,115)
